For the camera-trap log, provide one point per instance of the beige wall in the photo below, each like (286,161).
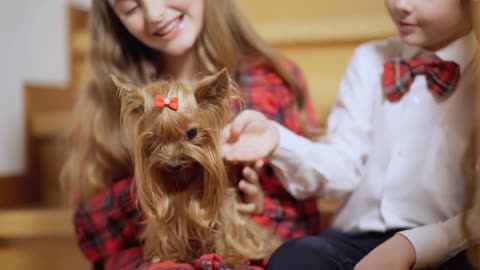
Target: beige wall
(305,9)
(33,48)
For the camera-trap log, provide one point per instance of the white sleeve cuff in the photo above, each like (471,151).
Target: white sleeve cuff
(287,161)
(290,142)
(436,243)
(312,169)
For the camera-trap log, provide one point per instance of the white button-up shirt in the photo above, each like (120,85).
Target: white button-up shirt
(393,165)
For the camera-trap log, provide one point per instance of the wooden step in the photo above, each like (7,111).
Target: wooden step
(48,124)
(36,223)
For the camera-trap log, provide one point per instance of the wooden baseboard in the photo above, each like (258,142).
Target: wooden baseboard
(14,191)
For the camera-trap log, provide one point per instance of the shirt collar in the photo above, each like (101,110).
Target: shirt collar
(461,51)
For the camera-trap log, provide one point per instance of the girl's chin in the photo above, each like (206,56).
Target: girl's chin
(177,47)
(425,44)
(177,51)
(413,41)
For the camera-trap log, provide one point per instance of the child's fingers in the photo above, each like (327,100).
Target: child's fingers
(259,165)
(247,188)
(226,137)
(226,134)
(250,175)
(246,208)
(241,122)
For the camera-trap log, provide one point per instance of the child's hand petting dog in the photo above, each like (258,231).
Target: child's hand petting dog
(252,199)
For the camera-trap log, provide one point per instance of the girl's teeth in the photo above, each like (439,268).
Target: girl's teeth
(169,28)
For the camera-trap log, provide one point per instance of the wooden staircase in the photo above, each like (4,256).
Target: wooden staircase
(38,234)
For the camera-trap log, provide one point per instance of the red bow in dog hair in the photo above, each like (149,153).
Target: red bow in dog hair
(171,103)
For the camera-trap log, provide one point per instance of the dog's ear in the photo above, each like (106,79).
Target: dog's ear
(213,90)
(131,97)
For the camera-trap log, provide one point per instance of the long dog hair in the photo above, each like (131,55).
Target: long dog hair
(183,185)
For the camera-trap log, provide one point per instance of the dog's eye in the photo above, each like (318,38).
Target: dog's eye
(191,133)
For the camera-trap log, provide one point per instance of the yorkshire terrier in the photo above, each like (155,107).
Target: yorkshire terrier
(184,188)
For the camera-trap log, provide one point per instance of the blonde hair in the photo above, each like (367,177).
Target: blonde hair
(97,155)
(472,169)
(471,178)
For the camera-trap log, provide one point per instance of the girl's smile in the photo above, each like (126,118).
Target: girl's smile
(171,29)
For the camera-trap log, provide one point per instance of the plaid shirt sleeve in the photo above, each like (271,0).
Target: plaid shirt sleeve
(265,91)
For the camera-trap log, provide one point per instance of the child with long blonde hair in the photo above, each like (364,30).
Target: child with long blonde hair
(143,40)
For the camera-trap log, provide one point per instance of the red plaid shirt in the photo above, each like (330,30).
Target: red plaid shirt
(108,225)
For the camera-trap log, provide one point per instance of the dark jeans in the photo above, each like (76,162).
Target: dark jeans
(334,250)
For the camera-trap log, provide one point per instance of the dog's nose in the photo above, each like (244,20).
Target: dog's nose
(174,165)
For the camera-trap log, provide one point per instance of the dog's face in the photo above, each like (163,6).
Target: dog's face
(173,131)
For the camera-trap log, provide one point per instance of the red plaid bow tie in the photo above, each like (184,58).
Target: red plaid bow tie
(161,102)
(398,75)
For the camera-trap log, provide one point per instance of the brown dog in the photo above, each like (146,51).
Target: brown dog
(182,182)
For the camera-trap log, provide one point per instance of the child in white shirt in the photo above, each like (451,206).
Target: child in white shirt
(393,153)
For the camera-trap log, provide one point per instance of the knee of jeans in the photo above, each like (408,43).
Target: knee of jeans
(306,253)
(290,248)
(305,247)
